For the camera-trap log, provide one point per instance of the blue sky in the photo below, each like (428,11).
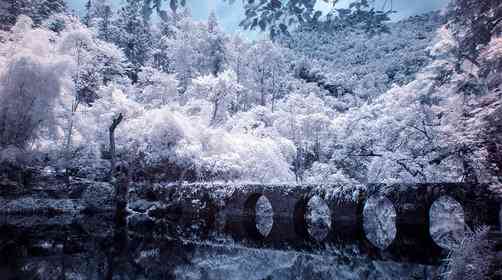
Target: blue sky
(230,15)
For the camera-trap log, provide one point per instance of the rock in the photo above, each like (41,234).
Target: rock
(171,212)
(98,197)
(14,179)
(99,225)
(139,221)
(141,205)
(29,205)
(76,187)
(9,188)
(31,221)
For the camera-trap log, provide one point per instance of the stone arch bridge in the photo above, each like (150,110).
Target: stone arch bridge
(232,213)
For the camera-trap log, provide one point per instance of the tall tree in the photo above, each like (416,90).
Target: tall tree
(45,8)
(217,50)
(88,13)
(133,36)
(267,69)
(219,91)
(102,15)
(212,22)
(479,21)
(28,91)
(11,9)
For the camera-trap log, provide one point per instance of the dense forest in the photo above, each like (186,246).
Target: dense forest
(118,116)
(348,98)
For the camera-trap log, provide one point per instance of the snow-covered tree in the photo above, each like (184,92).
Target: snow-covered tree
(353,66)
(11,9)
(45,8)
(99,15)
(29,86)
(267,72)
(212,22)
(157,88)
(220,91)
(305,120)
(133,36)
(37,10)
(216,53)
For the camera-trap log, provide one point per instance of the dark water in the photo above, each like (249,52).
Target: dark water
(94,247)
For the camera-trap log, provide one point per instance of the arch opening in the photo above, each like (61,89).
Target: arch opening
(259,216)
(318,218)
(379,221)
(446,222)
(264,216)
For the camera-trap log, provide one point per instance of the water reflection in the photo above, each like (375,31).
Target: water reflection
(318,218)
(90,248)
(264,216)
(379,221)
(447,222)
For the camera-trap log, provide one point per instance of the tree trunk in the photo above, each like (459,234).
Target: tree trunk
(116,121)
(215,113)
(68,139)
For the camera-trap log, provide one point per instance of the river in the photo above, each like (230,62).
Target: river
(94,247)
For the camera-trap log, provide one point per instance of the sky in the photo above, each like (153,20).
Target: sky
(230,15)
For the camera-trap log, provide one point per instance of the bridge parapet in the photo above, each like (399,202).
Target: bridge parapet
(236,204)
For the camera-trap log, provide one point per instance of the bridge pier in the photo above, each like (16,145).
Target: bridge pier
(412,203)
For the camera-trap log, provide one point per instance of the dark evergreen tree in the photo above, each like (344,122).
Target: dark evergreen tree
(479,21)
(43,9)
(11,9)
(38,10)
(88,13)
(100,16)
(217,51)
(133,36)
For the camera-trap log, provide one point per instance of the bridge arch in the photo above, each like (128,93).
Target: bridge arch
(446,221)
(379,221)
(258,227)
(412,204)
(317,208)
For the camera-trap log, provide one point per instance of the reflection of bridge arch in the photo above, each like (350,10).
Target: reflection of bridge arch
(313,232)
(250,219)
(447,222)
(411,202)
(379,221)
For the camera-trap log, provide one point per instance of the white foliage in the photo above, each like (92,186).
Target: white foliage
(494,49)
(220,91)
(347,111)
(158,88)
(29,86)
